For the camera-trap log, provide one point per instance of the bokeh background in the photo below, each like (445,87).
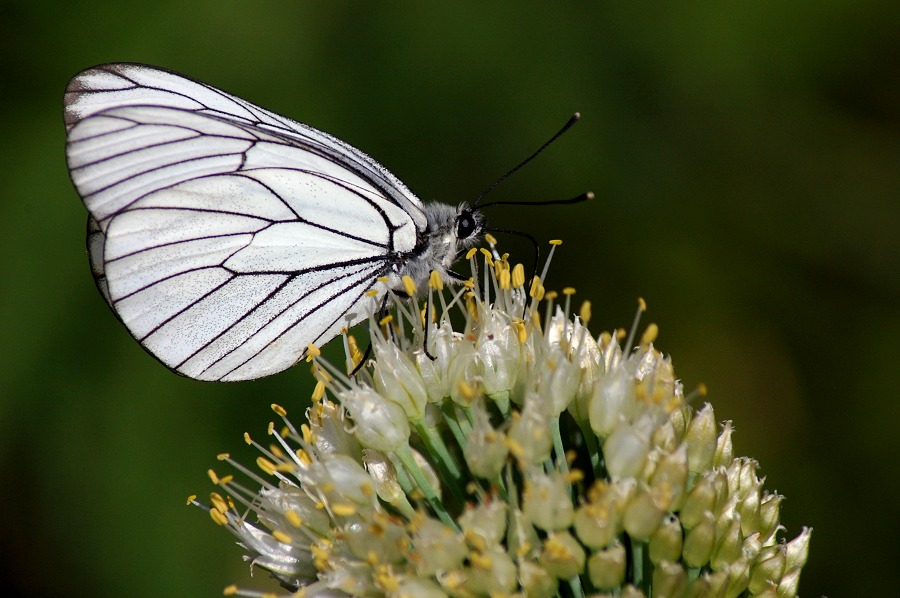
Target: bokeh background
(746,162)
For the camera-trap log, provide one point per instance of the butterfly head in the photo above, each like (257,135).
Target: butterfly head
(450,231)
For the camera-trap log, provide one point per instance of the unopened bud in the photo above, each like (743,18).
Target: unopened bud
(606,567)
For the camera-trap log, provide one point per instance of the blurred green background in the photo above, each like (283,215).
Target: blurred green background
(746,161)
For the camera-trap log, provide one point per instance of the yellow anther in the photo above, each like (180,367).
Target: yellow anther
(372,293)
(225,480)
(223,456)
(409,285)
(212,476)
(487,256)
(218,502)
(279,410)
(518,276)
(231,590)
(469,283)
(551,295)
(568,291)
(306,433)
(642,305)
(266,465)
(312,352)
(467,391)
(191,499)
(218,517)
(621,333)
(270,429)
(282,537)
(435,281)
(343,509)
(490,239)
(504,280)
(521,331)
(535,285)
(650,334)
(556,242)
(318,392)
(575,476)
(383,279)
(471,253)
(585,312)
(386,320)
(293,518)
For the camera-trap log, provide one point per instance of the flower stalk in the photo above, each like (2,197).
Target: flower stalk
(514,454)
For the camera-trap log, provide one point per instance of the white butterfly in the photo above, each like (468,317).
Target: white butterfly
(226,237)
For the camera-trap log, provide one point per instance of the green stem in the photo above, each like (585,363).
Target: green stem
(404,454)
(575,586)
(443,459)
(592,443)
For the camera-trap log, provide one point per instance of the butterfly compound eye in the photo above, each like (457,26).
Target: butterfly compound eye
(465,225)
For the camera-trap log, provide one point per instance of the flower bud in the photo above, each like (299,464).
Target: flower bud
(613,401)
(669,579)
(530,439)
(790,583)
(384,477)
(645,511)
(748,509)
(547,502)
(767,569)
(464,375)
(536,582)
(606,567)
(701,439)
(699,542)
(346,480)
(728,545)
(626,448)
(381,536)
(435,547)
(492,572)
(398,380)
(596,521)
(559,381)
(484,524)
(700,500)
(562,557)
(378,423)
(666,542)
(738,576)
(435,373)
(498,350)
(798,549)
(521,537)
(769,512)
(724,448)
(486,450)
(673,469)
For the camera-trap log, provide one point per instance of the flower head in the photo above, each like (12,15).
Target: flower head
(510,453)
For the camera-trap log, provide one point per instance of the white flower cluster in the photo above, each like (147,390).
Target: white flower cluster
(517,456)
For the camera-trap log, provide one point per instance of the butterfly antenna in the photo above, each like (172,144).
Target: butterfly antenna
(565,128)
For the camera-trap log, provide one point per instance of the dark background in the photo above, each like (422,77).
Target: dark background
(746,161)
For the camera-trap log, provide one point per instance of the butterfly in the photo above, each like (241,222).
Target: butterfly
(228,238)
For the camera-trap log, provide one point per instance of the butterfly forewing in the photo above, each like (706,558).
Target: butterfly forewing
(225,237)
